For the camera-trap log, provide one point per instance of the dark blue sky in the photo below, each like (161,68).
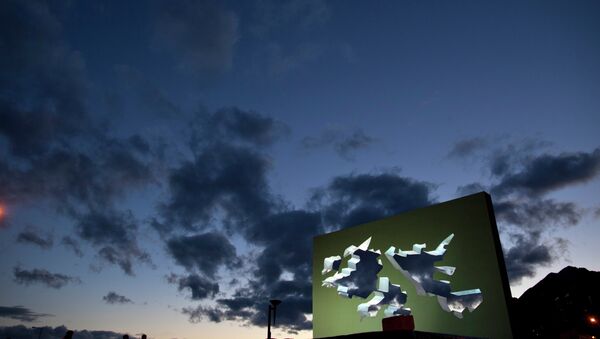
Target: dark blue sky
(170,152)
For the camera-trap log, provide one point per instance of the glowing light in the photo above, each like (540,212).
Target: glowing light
(2,211)
(592,320)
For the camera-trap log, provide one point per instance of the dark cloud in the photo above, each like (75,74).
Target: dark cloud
(522,176)
(529,253)
(46,332)
(226,184)
(222,178)
(228,174)
(537,214)
(32,237)
(114,298)
(73,179)
(276,233)
(73,245)
(42,81)
(468,147)
(201,33)
(284,272)
(42,276)
(345,144)
(201,287)
(355,199)
(19,313)
(545,173)
(248,305)
(232,124)
(56,151)
(114,234)
(204,252)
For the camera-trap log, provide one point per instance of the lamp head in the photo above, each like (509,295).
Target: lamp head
(275,302)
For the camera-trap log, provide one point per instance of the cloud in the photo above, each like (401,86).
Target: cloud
(43,81)
(201,287)
(75,178)
(20,313)
(355,199)
(57,151)
(545,173)
(529,253)
(73,245)
(286,241)
(227,174)
(202,33)
(345,144)
(236,126)
(537,214)
(283,265)
(276,234)
(114,298)
(522,176)
(223,178)
(468,147)
(204,252)
(114,234)
(32,237)
(46,332)
(248,305)
(42,276)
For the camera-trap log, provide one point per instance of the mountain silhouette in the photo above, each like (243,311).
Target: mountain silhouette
(562,305)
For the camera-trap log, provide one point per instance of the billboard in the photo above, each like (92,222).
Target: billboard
(442,264)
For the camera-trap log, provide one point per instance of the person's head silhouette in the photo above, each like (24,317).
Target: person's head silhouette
(68,335)
(144,336)
(125,336)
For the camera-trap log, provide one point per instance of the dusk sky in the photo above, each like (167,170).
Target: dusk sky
(165,165)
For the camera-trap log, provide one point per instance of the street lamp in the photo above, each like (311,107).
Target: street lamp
(272,307)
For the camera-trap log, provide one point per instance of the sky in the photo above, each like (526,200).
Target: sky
(165,164)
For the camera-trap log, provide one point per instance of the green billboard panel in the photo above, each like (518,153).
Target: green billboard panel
(441,264)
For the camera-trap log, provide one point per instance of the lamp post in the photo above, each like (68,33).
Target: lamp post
(272,307)
(39,328)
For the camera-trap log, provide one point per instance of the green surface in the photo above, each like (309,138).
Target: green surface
(472,251)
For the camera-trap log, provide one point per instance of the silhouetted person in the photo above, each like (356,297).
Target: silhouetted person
(125,336)
(68,335)
(144,336)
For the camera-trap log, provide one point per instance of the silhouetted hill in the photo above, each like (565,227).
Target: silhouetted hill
(559,303)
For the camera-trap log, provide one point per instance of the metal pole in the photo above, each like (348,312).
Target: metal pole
(269,324)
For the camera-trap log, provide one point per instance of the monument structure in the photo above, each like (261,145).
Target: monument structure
(435,272)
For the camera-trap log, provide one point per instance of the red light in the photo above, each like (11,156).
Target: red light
(592,320)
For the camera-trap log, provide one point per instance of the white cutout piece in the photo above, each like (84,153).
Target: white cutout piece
(418,267)
(447,270)
(329,262)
